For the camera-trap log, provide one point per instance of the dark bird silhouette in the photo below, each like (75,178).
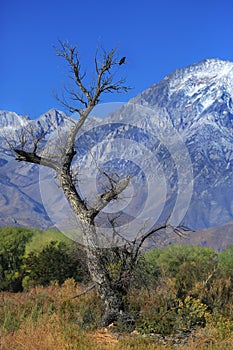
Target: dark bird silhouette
(122,61)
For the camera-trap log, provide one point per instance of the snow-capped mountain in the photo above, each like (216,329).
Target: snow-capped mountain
(20,200)
(11,120)
(199,102)
(196,102)
(199,89)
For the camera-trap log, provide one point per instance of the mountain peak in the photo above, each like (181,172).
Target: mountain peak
(205,87)
(11,120)
(205,65)
(208,71)
(53,111)
(216,62)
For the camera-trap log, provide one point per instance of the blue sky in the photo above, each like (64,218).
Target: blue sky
(156,36)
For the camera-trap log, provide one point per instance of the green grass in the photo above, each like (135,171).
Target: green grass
(42,238)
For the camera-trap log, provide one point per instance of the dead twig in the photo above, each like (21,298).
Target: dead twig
(88,289)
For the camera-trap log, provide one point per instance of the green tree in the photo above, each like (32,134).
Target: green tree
(13,241)
(187,264)
(56,261)
(225,266)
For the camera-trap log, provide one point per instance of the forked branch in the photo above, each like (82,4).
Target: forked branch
(88,95)
(108,196)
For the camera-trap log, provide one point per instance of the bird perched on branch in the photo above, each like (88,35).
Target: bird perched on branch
(122,61)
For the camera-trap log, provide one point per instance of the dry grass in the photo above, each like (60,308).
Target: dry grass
(48,319)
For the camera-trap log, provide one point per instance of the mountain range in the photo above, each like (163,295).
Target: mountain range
(192,105)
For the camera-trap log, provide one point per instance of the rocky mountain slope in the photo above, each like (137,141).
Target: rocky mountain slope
(199,102)
(193,105)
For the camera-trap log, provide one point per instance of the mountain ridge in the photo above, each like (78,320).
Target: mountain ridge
(198,100)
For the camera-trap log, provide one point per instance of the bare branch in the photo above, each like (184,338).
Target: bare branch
(10,139)
(109,177)
(84,96)
(150,233)
(70,54)
(30,157)
(88,289)
(76,96)
(108,196)
(66,104)
(89,96)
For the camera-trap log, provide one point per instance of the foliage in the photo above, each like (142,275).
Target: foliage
(147,272)
(191,313)
(54,263)
(178,316)
(13,241)
(26,260)
(187,264)
(225,265)
(41,239)
(172,258)
(218,295)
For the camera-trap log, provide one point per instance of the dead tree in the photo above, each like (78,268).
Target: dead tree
(112,284)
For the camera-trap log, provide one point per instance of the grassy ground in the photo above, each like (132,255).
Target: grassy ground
(49,319)
(41,239)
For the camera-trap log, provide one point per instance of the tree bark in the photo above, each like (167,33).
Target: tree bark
(110,292)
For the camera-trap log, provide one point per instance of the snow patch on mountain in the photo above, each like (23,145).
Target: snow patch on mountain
(11,120)
(197,101)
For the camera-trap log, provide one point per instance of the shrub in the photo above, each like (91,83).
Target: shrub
(225,265)
(174,315)
(54,262)
(13,241)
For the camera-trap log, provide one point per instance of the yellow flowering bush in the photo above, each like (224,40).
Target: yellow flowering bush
(191,312)
(222,327)
(180,316)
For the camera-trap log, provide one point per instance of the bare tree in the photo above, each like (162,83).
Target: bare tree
(112,283)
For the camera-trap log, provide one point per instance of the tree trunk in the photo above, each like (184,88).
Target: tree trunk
(113,294)
(115,307)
